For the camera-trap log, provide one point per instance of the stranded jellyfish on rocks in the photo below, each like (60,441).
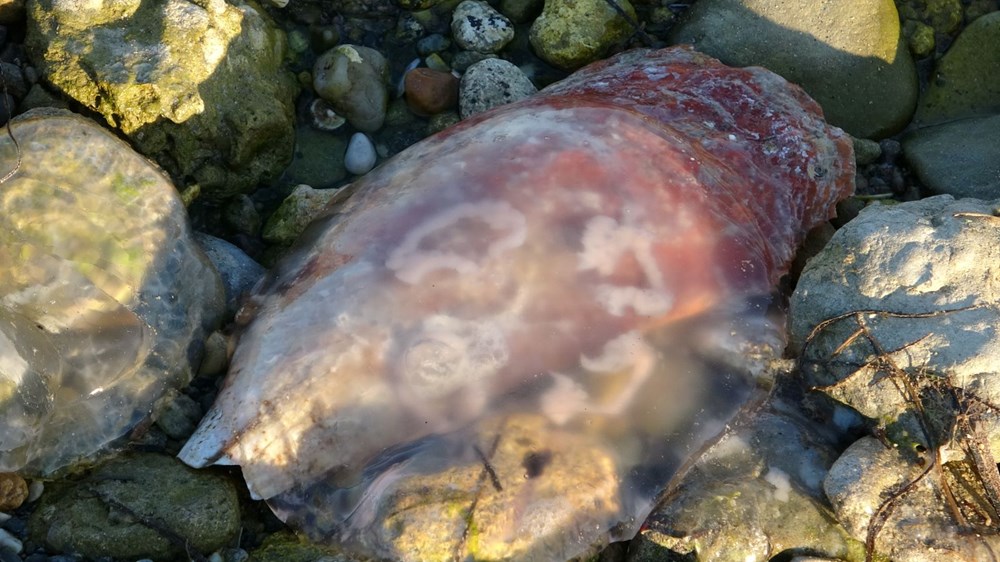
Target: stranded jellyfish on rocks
(486,352)
(104,296)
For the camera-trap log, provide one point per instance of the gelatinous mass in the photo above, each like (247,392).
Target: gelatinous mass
(485,352)
(104,296)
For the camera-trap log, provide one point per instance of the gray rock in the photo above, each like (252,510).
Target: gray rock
(866,151)
(754,492)
(238,271)
(923,276)
(360,156)
(354,80)
(918,525)
(200,88)
(107,297)
(960,158)
(967,78)
(571,33)
(491,83)
(139,506)
(848,55)
(178,415)
(521,11)
(241,214)
(476,26)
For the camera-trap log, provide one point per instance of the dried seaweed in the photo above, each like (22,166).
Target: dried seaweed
(946,414)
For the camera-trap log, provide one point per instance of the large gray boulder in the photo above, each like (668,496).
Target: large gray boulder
(848,55)
(197,86)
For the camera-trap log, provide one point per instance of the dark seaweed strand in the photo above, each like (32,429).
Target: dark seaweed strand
(10,115)
(487,469)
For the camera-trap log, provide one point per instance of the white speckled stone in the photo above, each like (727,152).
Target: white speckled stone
(476,26)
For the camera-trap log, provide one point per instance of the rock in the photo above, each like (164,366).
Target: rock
(501,349)
(465,59)
(756,491)
(354,80)
(866,151)
(108,297)
(433,43)
(200,88)
(491,83)
(241,215)
(943,16)
(318,159)
(177,415)
(286,547)
(296,212)
(961,158)
(13,491)
(571,33)
(848,55)
(360,156)
(919,37)
(239,273)
(521,11)
(918,524)
(476,26)
(922,271)
(967,78)
(11,11)
(429,92)
(139,506)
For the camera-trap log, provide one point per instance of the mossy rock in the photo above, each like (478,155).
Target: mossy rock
(967,78)
(139,506)
(570,33)
(200,88)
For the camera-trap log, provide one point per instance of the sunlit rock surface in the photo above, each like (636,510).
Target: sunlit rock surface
(104,297)
(495,337)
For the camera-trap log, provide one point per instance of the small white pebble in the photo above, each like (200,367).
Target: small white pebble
(360,157)
(10,542)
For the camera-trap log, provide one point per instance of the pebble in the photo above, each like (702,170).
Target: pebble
(360,156)
(13,491)
(433,43)
(296,212)
(491,83)
(238,271)
(476,26)
(429,92)
(10,542)
(571,33)
(353,79)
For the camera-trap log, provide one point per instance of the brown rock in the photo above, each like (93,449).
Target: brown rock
(13,491)
(429,92)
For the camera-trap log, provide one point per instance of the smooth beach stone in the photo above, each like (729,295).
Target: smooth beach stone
(958,158)
(528,279)
(104,296)
(848,55)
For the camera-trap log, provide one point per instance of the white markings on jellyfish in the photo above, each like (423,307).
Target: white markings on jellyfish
(448,353)
(626,355)
(605,241)
(411,262)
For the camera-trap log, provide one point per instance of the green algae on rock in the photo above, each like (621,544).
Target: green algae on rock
(139,506)
(569,33)
(967,78)
(104,297)
(198,87)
